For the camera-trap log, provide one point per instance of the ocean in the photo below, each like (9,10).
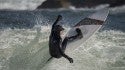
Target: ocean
(24,39)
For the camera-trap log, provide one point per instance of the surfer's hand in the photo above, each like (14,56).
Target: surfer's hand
(70,60)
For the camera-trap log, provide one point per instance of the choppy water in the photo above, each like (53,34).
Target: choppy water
(24,42)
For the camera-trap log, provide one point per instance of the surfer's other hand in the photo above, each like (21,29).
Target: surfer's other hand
(70,60)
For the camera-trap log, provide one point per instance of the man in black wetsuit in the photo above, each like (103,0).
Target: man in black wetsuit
(56,45)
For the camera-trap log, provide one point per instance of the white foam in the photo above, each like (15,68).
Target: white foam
(20,4)
(97,53)
(120,9)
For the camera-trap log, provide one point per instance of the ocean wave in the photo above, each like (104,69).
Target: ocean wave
(93,8)
(32,5)
(113,10)
(73,8)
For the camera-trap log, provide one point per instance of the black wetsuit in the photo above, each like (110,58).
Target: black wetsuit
(56,46)
(55,42)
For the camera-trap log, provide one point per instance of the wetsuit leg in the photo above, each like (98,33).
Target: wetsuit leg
(64,44)
(65,41)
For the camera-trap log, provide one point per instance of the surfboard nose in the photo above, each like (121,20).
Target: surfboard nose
(100,15)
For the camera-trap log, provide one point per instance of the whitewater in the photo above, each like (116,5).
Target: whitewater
(24,39)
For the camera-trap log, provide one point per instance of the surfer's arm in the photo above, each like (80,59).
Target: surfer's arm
(58,18)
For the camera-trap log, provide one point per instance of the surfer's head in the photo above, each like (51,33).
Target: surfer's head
(59,28)
(59,17)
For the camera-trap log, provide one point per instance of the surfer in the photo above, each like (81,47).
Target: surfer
(56,45)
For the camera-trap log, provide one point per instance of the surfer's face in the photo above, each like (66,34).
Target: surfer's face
(59,28)
(62,33)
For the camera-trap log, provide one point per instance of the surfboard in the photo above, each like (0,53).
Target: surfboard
(88,26)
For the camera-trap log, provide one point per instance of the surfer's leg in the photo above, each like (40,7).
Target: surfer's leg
(77,36)
(64,44)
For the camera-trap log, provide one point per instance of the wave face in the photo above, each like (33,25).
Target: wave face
(24,42)
(20,4)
